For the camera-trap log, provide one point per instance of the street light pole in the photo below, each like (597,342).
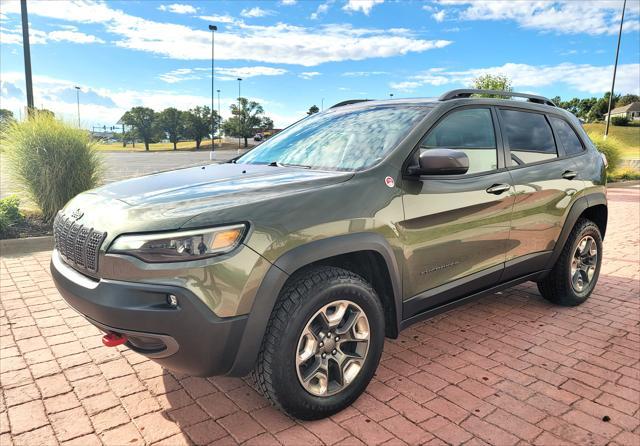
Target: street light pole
(219,110)
(322,105)
(615,68)
(27,55)
(78,101)
(213,30)
(239,114)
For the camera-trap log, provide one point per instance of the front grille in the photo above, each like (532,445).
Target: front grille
(77,244)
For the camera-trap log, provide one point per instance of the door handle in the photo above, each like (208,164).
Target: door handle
(497,189)
(569,175)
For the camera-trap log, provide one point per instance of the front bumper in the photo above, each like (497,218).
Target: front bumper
(187,338)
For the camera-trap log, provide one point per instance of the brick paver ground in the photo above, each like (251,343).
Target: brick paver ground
(509,369)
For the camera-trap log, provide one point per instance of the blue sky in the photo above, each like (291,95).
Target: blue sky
(292,54)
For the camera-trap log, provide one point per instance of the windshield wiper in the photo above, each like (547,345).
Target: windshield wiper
(278,164)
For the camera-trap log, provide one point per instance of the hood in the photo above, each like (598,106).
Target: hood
(167,200)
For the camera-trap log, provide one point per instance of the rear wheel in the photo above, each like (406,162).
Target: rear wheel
(323,343)
(576,272)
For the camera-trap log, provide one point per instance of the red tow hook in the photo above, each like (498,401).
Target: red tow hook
(112,339)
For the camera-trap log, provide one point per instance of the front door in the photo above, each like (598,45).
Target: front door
(456,228)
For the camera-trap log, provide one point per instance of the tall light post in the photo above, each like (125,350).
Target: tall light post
(239,114)
(213,30)
(78,102)
(27,55)
(615,68)
(322,105)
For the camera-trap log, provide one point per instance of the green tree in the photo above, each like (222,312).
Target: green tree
(492,82)
(244,120)
(627,99)
(144,122)
(171,122)
(313,109)
(197,123)
(267,123)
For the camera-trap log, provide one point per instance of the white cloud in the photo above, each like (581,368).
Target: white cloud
(247,72)
(225,18)
(580,77)
(279,43)
(222,73)
(363,73)
(364,6)
(439,16)
(564,17)
(322,9)
(13,36)
(288,2)
(255,12)
(309,74)
(109,105)
(178,8)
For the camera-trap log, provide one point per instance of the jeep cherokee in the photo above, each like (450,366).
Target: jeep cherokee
(294,261)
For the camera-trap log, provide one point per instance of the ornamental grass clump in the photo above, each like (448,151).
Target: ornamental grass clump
(51,160)
(611,147)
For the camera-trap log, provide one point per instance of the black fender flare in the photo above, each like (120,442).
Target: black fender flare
(577,209)
(290,262)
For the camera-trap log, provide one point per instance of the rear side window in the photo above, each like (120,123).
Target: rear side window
(567,136)
(471,131)
(528,136)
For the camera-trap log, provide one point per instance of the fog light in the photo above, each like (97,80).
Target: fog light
(172,300)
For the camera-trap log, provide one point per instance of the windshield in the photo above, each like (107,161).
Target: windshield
(340,139)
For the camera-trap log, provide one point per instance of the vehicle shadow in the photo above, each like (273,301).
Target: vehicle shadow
(479,338)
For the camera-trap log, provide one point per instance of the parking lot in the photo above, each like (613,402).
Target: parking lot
(509,369)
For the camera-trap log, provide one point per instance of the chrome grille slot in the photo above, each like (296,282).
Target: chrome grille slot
(77,244)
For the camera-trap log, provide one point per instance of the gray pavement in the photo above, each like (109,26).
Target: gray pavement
(123,165)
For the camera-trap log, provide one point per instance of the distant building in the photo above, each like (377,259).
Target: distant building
(629,111)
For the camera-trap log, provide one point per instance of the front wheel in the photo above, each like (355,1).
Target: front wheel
(576,272)
(322,345)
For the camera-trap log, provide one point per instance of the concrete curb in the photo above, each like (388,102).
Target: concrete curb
(623,184)
(19,246)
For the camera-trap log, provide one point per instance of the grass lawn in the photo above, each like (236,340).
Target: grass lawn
(628,135)
(160,146)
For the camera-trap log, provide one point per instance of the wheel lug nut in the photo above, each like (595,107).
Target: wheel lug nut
(324,355)
(337,338)
(334,352)
(322,344)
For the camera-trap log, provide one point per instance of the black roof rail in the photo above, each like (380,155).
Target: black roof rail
(349,102)
(467,92)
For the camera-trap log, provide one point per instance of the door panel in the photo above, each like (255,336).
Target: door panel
(453,228)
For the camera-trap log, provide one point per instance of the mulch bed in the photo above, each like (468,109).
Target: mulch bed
(30,226)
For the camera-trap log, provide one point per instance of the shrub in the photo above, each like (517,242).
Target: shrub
(624,174)
(611,148)
(51,160)
(619,120)
(9,212)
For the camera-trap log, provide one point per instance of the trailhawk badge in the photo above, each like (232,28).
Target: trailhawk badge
(77,214)
(389,182)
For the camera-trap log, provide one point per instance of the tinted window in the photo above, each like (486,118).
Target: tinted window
(528,136)
(471,131)
(339,139)
(567,136)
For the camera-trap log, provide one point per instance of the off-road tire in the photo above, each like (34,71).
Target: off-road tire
(275,373)
(556,287)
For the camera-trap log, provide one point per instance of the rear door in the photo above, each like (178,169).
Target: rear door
(545,180)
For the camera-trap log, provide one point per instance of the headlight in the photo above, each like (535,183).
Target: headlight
(180,245)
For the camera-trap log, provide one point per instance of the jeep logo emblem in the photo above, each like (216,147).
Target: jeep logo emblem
(77,214)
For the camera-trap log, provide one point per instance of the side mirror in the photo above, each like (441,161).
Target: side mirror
(441,162)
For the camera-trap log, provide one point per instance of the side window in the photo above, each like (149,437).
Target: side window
(471,131)
(528,136)
(567,136)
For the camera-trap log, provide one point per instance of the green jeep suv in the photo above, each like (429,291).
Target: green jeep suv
(294,261)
